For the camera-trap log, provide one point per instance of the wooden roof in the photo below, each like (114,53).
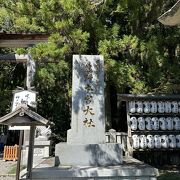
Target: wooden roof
(23,116)
(13,58)
(142,97)
(172,16)
(19,40)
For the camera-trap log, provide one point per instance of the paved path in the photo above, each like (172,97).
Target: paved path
(5,167)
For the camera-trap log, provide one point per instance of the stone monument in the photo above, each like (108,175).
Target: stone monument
(87,125)
(86,138)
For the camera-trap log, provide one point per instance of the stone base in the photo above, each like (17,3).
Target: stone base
(88,155)
(131,169)
(42,149)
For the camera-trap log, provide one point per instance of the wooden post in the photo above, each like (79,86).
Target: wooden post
(31,151)
(129,148)
(19,155)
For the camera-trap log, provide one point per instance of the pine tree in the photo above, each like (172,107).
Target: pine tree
(141,55)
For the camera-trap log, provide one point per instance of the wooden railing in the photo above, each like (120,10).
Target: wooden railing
(10,153)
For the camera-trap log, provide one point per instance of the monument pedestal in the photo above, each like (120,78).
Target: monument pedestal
(88,154)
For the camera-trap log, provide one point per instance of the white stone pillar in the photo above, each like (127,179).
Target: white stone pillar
(88,119)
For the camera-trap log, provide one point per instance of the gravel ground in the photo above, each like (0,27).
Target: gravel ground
(5,167)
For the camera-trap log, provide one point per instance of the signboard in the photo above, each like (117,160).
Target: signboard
(19,127)
(38,152)
(24,97)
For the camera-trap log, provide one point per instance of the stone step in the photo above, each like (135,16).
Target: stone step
(131,169)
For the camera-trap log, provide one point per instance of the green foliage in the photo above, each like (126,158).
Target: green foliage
(169,176)
(141,47)
(54,92)
(141,55)
(11,75)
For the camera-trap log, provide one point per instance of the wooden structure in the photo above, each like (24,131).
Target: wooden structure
(19,40)
(13,58)
(172,16)
(23,116)
(10,153)
(154,155)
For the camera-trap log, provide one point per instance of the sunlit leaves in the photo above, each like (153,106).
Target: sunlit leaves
(140,54)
